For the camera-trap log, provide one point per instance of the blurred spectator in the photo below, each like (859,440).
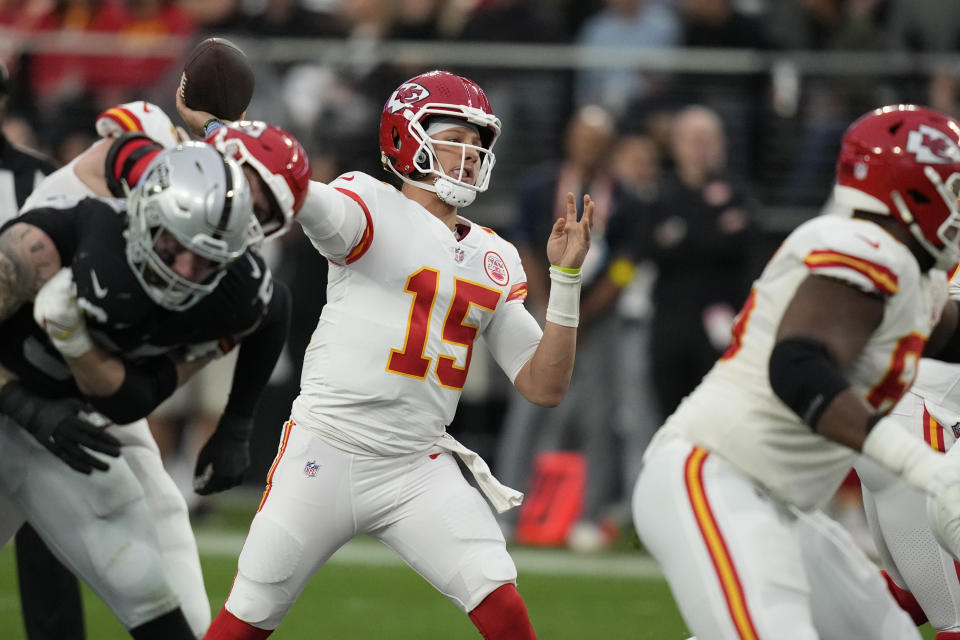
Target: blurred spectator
(637,165)
(148,24)
(625,286)
(584,419)
(698,234)
(738,98)
(828,102)
(212,16)
(55,76)
(626,24)
(509,21)
(925,25)
(290,18)
(717,23)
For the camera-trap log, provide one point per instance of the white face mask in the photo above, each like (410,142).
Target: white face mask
(452,190)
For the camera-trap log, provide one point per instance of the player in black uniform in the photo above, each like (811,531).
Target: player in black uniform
(137,319)
(278,171)
(37,571)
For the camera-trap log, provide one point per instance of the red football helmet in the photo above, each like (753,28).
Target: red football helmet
(277,157)
(406,148)
(904,160)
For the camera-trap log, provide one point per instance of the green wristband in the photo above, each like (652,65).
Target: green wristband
(571,270)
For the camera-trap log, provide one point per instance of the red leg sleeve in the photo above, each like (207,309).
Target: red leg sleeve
(503,616)
(227,626)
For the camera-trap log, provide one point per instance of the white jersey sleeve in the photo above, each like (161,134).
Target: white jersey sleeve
(334,221)
(61,189)
(387,362)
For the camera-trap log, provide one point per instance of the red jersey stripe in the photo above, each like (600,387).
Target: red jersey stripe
(517,292)
(284,438)
(367,238)
(884,279)
(933,431)
(125,118)
(717,546)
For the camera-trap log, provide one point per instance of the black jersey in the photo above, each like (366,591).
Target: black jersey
(120,316)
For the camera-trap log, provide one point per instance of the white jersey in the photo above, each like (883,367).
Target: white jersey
(736,414)
(387,362)
(938,383)
(60,189)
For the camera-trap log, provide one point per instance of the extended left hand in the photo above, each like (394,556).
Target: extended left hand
(569,239)
(225,458)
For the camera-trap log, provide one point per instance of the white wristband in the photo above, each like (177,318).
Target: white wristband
(563,306)
(910,458)
(73,343)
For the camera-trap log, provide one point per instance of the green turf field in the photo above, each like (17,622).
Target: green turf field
(365,593)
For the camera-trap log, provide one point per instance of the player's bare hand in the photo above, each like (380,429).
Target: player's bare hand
(570,238)
(191,117)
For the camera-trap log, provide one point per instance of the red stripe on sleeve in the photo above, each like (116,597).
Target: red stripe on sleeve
(367,238)
(517,292)
(882,278)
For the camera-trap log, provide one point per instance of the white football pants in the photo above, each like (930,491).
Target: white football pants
(743,566)
(318,497)
(897,517)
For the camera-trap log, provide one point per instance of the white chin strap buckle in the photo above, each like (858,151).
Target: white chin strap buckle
(453,193)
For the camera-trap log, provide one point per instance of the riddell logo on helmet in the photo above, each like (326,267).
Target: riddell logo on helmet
(932,146)
(408,93)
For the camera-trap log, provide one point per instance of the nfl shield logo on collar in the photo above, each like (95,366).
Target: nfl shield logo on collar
(310,470)
(458,254)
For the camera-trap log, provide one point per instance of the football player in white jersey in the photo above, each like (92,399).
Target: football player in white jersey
(729,497)
(411,287)
(921,575)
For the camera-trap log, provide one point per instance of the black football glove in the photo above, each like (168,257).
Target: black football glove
(225,457)
(58,425)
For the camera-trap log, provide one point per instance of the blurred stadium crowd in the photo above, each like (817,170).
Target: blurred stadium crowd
(691,199)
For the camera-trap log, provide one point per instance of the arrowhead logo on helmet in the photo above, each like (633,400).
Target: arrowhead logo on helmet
(932,146)
(408,93)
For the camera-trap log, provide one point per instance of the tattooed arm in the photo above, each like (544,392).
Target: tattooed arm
(28,258)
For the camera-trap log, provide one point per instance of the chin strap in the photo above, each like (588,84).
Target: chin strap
(453,193)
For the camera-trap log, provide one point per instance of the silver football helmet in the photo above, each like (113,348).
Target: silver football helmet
(193,198)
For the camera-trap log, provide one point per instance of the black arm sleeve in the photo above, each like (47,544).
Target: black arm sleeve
(804,375)
(127,159)
(259,353)
(146,384)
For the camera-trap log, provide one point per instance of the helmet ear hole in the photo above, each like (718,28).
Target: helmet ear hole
(918,197)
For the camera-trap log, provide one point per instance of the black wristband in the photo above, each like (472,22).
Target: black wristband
(804,375)
(146,384)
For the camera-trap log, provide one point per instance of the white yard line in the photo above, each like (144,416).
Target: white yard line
(366,551)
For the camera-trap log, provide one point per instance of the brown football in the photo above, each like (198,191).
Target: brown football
(217,78)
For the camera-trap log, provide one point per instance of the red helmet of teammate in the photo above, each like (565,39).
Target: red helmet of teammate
(904,160)
(277,157)
(437,99)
